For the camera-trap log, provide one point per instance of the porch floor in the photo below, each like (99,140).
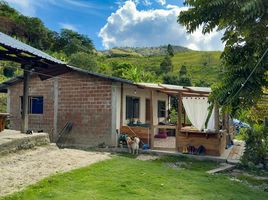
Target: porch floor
(231,155)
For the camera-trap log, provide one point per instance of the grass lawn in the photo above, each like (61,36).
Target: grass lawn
(127,178)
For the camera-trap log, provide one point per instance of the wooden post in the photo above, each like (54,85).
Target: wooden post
(184,117)
(217,115)
(25,98)
(179,119)
(152,119)
(121,105)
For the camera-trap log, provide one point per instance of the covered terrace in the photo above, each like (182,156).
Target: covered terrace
(196,124)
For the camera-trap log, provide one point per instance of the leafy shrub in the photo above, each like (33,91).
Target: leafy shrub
(173,116)
(242,134)
(256,151)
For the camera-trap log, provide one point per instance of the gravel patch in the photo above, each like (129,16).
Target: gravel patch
(26,167)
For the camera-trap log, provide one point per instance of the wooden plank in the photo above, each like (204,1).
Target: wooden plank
(141,132)
(24,116)
(214,144)
(165,126)
(217,120)
(121,104)
(152,120)
(179,119)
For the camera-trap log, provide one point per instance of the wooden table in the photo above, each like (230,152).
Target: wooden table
(3,117)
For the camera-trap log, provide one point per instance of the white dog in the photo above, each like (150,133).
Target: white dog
(133,145)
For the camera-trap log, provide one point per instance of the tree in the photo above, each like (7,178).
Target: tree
(184,78)
(171,79)
(202,83)
(137,75)
(166,65)
(170,50)
(120,69)
(245,33)
(84,61)
(71,42)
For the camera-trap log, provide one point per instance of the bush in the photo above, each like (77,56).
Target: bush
(256,151)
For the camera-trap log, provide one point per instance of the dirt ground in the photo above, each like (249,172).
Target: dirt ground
(18,170)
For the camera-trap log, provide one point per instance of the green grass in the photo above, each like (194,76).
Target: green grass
(128,178)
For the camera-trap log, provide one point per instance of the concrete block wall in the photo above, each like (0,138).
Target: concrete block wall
(80,99)
(36,88)
(86,102)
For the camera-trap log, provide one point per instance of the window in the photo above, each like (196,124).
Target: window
(132,107)
(161,109)
(35,104)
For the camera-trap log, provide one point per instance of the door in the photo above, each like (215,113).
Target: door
(148,111)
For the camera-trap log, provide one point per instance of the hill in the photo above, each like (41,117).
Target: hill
(78,50)
(201,65)
(142,51)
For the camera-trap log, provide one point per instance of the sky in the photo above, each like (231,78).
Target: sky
(120,23)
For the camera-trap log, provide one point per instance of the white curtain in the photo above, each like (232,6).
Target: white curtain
(197,110)
(211,121)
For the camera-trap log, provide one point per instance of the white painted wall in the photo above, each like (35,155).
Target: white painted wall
(143,94)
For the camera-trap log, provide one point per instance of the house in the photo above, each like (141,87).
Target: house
(99,107)
(90,101)
(84,109)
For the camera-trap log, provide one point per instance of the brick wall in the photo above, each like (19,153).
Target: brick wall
(83,100)
(36,88)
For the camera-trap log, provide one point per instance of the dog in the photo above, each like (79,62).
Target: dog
(133,145)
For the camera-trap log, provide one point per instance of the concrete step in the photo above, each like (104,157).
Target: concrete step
(221,169)
(12,141)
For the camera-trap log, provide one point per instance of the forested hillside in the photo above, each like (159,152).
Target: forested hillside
(147,64)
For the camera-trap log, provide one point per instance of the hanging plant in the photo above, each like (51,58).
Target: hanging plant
(8,72)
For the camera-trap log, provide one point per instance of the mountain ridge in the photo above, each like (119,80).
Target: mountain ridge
(143,51)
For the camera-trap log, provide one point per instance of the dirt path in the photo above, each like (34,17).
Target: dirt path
(23,168)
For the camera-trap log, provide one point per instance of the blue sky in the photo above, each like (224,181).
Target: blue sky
(120,22)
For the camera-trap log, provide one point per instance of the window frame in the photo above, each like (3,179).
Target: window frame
(135,114)
(161,113)
(30,104)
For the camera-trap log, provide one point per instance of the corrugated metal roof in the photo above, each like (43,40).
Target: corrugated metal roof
(8,41)
(168,87)
(100,75)
(172,87)
(4,85)
(200,89)
(149,85)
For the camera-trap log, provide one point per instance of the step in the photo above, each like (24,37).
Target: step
(226,167)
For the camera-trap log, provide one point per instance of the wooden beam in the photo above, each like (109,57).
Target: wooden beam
(152,119)
(179,120)
(217,115)
(194,95)
(184,117)
(193,91)
(121,104)
(25,104)
(12,58)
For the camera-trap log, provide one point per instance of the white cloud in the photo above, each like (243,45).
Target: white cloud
(131,27)
(27,7)
(68,26)
(147,2)
(169,6)
(162,2)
